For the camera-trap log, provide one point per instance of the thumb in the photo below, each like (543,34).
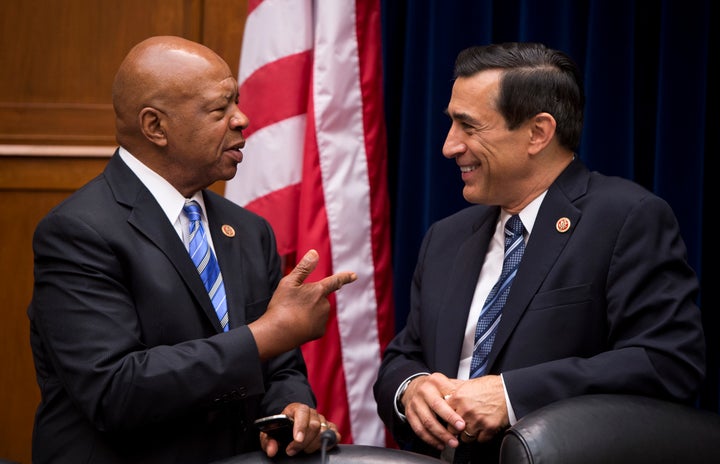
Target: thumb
(307,264)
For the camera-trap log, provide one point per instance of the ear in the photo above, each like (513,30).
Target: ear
(152,125)
(542,131)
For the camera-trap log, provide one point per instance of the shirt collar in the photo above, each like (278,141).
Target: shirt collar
(528,214)
(170,200)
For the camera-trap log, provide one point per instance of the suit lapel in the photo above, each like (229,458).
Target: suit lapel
(545,245)
(463,280)
(148,218)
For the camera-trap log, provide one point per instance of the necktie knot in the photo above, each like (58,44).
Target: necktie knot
(192,210)
(514,227)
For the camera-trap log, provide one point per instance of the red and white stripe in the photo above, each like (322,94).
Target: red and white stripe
(315,166)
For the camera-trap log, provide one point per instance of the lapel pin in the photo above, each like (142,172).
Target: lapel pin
(562,225)
(228,230)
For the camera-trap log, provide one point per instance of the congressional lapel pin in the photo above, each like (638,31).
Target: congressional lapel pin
(228,231)
(562,225)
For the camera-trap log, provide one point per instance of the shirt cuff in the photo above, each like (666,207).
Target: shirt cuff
(511,413)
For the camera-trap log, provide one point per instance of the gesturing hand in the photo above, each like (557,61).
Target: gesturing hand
(298,311)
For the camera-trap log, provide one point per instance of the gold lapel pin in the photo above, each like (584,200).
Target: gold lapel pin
(228,230)
(562,225)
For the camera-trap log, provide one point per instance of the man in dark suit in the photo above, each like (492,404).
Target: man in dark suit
(132,361)
(602,301)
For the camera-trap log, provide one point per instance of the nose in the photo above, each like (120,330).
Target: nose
(453,145)
(239,120)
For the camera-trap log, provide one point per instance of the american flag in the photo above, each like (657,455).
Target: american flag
(315,166)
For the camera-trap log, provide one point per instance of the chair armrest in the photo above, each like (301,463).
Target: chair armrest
(341,454)
(613,429)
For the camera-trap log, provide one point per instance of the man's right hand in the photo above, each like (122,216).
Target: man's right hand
(298,312)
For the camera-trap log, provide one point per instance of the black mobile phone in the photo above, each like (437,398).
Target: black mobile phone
(278,427)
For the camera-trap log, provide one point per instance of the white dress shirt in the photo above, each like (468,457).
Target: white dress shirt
(171,201)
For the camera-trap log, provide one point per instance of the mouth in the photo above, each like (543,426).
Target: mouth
(470,168)
(235,151)
(238,146)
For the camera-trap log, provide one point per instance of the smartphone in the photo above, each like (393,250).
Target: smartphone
(278,427)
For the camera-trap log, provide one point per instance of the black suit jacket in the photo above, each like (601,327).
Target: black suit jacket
(130,357)
(606,307)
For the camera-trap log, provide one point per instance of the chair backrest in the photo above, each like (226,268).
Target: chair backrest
(602,429)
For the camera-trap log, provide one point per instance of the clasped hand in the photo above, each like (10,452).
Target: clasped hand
(442,411)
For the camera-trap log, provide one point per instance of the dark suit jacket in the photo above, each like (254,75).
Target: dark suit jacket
(605,307)
(130,357)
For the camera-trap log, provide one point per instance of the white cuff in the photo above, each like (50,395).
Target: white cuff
(399,393)
(511,412)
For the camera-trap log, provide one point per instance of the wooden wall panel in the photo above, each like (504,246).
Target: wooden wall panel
(29,188)
(59,59)
(57,63)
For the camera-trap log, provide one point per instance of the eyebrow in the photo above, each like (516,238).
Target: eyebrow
(461,117)
(224,98)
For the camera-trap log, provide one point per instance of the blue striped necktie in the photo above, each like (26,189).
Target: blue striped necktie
(205,262)
(491,312)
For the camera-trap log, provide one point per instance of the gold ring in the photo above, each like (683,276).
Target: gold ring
(467,434)
(447,397)
(323,424)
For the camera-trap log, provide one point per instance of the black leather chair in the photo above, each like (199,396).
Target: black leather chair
(603,429)
(591,429)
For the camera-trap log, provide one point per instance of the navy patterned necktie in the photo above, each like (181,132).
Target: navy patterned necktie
(492,309)
(205,262)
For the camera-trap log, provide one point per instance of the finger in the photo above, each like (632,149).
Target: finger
(446,410)
(338,435)
(314,431)
(454,421)
(335,282)
(270,445)
(425,424)
(307,421)
(301,419)
(487,434)
(467,437)
(333,428)
(307,264)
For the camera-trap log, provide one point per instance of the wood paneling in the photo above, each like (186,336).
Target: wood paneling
(59,58)
(57,64)
(29,188)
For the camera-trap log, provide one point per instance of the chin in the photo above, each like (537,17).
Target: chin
(469,197)
(228,173)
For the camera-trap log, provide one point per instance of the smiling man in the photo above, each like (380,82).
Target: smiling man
(559,282)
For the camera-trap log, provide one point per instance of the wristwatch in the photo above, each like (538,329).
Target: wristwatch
(399,408)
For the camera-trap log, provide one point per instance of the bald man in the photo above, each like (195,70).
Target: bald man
(133,362)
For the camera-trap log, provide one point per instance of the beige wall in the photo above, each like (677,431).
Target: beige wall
(57,61)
